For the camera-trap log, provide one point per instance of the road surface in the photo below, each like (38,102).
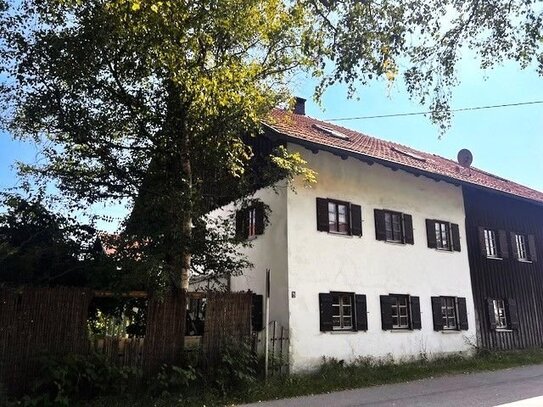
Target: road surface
(516,387)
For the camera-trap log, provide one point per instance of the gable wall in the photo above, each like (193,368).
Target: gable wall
(320,262)
(267,251)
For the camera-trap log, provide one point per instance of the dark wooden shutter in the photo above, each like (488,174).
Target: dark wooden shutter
(257,313)
(455,235)
(242,230)
(356,220)
(431,233)
(514,248)
(408,229)
(259,218)
(490,312)
(322,215)
(462,309)
(437,314)
(532,248)
(414,305)
(504,249)
(386,311)
(361,313)
(482,244)
(512,313)
(325,308)
(380,227)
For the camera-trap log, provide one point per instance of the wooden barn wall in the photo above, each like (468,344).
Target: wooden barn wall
(507,278)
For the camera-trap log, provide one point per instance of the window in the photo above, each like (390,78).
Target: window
(524,247)
(499,314)
(394,227)
(443,235)
(502,314)
(400,311)
(491,244)
(250,221)
(339,217)
(449,313)
(251,227)
(342,311)
(520,244)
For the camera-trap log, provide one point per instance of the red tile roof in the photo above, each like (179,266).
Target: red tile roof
(307,130)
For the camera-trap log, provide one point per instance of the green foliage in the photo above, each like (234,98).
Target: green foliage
(148,103)
(238,367)
(335,375)
(38,246)
(117,317)
(173,379)
(63,380)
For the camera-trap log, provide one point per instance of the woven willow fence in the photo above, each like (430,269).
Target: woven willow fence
(53,321)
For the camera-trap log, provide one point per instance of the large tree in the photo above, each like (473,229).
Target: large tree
(150,101)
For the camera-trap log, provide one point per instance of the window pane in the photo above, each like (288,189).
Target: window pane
(332,217)
(343,225)
(444,236)
(388,226)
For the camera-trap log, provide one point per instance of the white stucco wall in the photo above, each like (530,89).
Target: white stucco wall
(268,251)
(319,262)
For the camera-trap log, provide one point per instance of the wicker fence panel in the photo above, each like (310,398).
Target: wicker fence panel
(228,317)
(165,331)
(37,321)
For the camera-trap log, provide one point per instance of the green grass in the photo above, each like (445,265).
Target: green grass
(335,376)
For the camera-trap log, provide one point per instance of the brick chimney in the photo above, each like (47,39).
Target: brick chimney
(299,106)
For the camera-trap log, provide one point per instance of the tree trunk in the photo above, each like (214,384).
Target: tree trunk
(186,228)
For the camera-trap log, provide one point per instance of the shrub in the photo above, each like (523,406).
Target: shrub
(74,377)
(238,366)
(172,379)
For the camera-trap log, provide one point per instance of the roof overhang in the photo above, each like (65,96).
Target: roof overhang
(314,147)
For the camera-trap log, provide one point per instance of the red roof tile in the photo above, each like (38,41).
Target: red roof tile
(307,129)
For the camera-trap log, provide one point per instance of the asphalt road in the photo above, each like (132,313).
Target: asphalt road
(478,390)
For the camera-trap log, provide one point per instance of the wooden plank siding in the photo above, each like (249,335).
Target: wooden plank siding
(507,278)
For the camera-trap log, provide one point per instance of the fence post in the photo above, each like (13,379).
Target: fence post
(267,332)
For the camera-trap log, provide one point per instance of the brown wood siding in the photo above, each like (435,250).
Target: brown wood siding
(507,278)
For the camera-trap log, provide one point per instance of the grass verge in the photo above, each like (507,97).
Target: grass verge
(334,376)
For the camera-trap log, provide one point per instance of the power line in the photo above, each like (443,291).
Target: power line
(464,109)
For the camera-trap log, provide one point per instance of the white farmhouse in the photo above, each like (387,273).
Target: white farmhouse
(369,262)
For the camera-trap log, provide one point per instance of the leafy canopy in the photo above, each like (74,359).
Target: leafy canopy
(153,102)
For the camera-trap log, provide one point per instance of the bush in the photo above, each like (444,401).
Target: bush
(172,379)
(74,377)
(238,366)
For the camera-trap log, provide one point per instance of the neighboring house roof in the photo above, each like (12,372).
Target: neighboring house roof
(317,134)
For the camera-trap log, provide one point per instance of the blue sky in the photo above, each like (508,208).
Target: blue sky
(507,142)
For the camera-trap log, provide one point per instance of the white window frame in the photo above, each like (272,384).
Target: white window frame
(500,314)
(345,301)
(450,322)
(389,227)
(522,247)
(251,223)
(443,235)
(491,243)
(399,311)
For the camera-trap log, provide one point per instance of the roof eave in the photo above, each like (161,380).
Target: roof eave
(313,146)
